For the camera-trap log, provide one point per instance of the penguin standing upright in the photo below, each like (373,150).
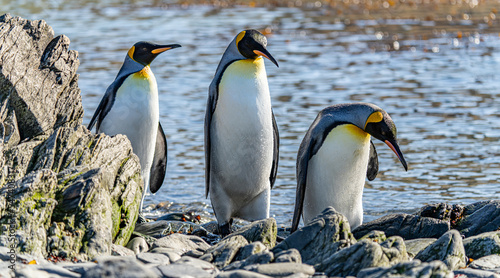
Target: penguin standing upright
(335,156)
(130,107)
(241,135)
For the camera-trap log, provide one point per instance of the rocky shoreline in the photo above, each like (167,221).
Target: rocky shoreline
(440,240)
(69,201)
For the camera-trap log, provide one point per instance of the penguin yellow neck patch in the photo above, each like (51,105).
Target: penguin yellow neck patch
(375,117)
(355,131)
(145,73)
(247,67)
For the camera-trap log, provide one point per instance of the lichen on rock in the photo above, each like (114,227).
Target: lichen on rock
(63,190)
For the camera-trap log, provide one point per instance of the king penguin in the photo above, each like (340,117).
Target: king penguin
(241,135)
(335,156)
(130,107)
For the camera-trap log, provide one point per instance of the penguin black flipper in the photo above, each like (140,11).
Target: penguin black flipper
(276,152)
(372,171)
(159,166)
(310,145)
(211,103)
(106,102)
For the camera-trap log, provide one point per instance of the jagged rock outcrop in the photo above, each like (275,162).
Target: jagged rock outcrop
(326,234)
(264,230)
(448,249)
(364,254)
(407,226)
(480,217)
(63,190)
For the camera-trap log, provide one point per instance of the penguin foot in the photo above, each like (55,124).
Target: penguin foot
(141,219)
(225,229)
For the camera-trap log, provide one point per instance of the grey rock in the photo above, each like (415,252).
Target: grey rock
(480,217)
(223,253)
(448,249)
(8,254)
(413,246)
(38,76)
(302,275)
(264,230)
(211,227)
(171,253)
(194,253)
(411,269)
(264,257)
(250,249)
(183,271)
(48,270)
(405,225)
(325,235)
(118,250)
(161,228)
(486,263)
(32,273)
(442,211)
(281,269)
(240,273)
(291,255)
(113,266)
(153,258)
(206,266)
(474,273)
(188,267)
(364,254)
(32,214)
(5,271)
(375,236)
(66,191)
(138,245)
(482,245)
(182,243)
(79,268)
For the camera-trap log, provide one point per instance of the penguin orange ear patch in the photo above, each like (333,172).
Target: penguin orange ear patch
(240,36)
(375,117)
(131,52)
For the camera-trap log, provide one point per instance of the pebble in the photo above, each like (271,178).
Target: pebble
(183,243)
(138,245)
(240,273)
(172,254)
(153,258)
(486,263)
(482,245)
(474,273)
(291,255)
(281,269)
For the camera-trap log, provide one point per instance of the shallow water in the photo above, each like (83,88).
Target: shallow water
(441,88)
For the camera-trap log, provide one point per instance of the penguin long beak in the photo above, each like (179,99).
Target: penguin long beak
(263,52)
(163,48)
(395,148)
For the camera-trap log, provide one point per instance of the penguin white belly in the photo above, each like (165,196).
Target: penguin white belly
(135,113)
(336,174)
(242,139)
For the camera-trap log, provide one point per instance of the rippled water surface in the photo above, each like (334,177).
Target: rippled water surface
(440,84)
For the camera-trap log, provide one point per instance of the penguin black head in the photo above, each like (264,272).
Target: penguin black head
(252,44)
(145,52)
(380,125)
